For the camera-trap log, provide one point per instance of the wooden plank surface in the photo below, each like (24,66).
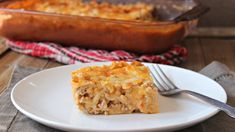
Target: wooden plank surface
(203,51)
(196,55)
(213,32)
(52,64)
(8,61)
(220,50)
(5,78)
(6,66)
(3,47)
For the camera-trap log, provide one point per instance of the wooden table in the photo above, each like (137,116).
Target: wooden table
(202,51)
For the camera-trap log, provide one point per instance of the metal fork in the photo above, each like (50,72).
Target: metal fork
(167,88)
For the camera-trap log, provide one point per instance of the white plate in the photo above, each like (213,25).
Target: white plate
(46,97)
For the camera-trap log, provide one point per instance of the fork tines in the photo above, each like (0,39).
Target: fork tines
(161,80)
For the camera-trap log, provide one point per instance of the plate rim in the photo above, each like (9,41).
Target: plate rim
(61,126)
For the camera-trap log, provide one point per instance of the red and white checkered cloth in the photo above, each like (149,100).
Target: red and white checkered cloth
(72,55)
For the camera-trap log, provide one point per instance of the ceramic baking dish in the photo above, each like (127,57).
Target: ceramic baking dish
(90,32)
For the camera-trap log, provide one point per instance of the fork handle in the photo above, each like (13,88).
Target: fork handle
(222,106)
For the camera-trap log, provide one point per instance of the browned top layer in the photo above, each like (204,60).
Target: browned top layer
(137,11)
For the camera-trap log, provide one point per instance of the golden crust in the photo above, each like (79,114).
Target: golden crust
(137,11)
(120,88)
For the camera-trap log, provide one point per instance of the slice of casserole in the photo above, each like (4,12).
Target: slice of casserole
(120,88)
(137,11)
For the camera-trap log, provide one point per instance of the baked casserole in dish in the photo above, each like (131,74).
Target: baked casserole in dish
(135,25)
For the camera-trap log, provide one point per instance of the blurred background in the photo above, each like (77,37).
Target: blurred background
(222,13)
